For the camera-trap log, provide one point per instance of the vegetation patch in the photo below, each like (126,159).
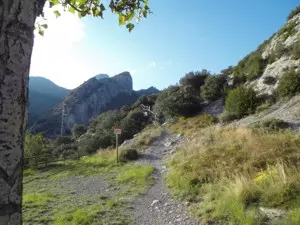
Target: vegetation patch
(53,195)
(271,124)
(128,155)
(288,30)
(289,84)
(241,101)
(214,87)
(146,137)
(190,125)
(294,12)
(229,174)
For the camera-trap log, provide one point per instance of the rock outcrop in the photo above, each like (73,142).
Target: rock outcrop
(280,45)
(86,102)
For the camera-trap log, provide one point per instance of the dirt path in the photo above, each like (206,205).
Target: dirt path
(156,206)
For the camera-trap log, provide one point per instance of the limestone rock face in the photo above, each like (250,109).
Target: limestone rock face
(86,102)
(282,43)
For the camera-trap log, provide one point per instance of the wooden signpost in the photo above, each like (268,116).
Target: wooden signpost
(117,132)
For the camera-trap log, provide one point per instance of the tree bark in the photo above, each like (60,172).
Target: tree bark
(17,19)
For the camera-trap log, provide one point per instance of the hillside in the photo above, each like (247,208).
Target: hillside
(95,96)
(43,95)
(215,149)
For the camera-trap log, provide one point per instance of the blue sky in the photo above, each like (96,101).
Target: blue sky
(180,36)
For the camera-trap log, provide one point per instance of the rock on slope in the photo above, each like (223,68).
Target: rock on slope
(98,94)
(280,53)
(85,102)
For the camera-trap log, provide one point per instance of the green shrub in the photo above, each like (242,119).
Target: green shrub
(63,140)
(289,84)
(35,145)
(296,51)
(241,101)
(271,124)
(228,117)
(213,87)
(177,101)
(287,30)
(128,155)
(78,130)
(262,107)
(269,80)
(251,67)
(279,50)
(194,79)
(294,12)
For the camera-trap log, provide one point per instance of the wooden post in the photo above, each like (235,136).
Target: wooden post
(117,147)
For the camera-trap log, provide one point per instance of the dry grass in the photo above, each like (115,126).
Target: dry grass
(145,138)
(189,126)
(229,173)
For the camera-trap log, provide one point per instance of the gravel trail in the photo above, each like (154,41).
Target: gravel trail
(156,206)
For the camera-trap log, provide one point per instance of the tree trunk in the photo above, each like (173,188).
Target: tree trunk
(17,18)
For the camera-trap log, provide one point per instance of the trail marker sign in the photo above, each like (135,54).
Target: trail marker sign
(117,131)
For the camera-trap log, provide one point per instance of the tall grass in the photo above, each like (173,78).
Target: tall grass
(230,173)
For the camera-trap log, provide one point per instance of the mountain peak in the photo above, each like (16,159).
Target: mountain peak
(101,76)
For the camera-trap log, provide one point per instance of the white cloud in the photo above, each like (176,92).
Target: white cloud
(53,54)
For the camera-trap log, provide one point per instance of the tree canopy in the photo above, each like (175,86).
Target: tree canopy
(127,10)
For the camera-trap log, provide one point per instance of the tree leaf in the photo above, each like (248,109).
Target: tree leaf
(45,26)
(41,32)
(122,19)
(130,27)
(71,10)
(57,13)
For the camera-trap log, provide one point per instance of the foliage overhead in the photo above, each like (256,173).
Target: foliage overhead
(126,10)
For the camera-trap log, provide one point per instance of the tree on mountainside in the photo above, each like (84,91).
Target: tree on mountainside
(17,23)
(194,79)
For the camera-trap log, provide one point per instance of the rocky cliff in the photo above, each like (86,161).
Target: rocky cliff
(263,68)
(87,101)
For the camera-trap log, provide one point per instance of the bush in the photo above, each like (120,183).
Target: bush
(289,84)
(251,67)
(78,130)
(294,12)
(296,51)
(91,144)
(271,124)
(228,117)
(128,155)
(287,30)
(241,101)
(35,145)
(63,140)
(177,101)
(269,80)
(213,88)
(194,79)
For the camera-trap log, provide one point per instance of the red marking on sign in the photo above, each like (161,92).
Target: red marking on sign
(117,131)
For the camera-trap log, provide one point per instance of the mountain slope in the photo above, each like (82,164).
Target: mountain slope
(263,68)
(43,95)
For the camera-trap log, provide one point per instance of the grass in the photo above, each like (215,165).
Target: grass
(146,137)
(188,126)
(49,198)
(37,199)
(227,174)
